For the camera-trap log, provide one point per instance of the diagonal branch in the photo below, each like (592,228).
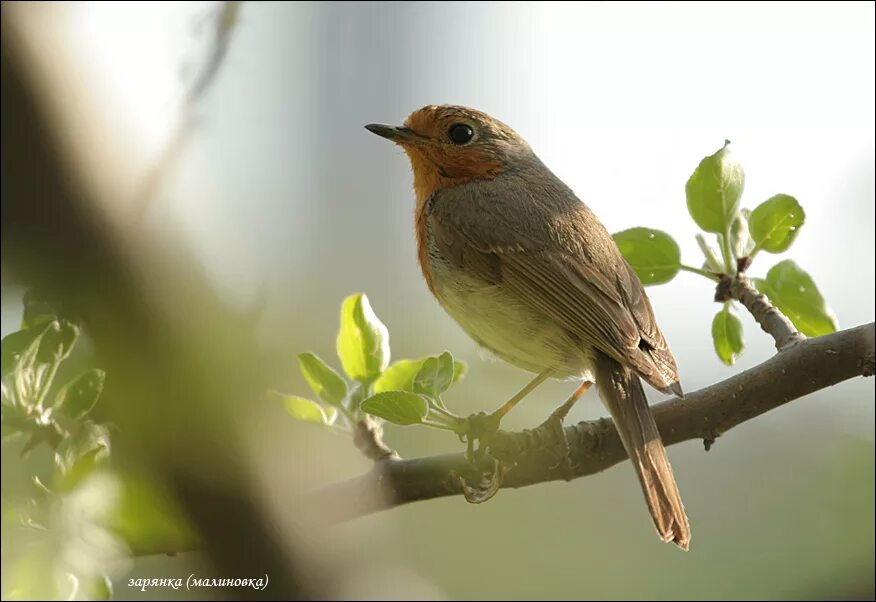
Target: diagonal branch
(771,320)
(368,438)
(801,369)
(223,22)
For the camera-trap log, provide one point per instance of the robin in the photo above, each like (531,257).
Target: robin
(530,273)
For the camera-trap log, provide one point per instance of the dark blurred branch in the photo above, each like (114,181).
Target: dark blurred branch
(771,320)
(224,19)
(799,370)
(177,389)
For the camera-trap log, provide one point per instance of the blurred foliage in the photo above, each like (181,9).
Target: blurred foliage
(34,408)
(714,192)
(78,521)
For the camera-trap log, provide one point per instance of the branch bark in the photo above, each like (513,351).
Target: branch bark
(368,438)
(594,446)
(771,320)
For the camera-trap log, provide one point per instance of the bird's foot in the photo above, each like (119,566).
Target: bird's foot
(487,471)
(486,483)
(556,444)
(555,434)
(480,428)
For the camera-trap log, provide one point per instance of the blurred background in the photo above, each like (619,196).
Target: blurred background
(230,141)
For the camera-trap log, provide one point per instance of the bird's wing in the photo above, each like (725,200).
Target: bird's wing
(573,273)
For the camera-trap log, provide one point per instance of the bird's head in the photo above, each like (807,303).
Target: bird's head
(449,145)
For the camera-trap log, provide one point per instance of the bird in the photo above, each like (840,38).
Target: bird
(529,272)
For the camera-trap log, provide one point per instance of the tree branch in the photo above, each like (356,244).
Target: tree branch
(368,438)
(771,320)
(594,446)
(224,19)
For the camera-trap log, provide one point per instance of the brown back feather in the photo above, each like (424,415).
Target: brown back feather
(559,258)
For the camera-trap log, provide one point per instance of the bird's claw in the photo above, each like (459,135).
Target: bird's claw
(480,427)
(489,483)
(558,446)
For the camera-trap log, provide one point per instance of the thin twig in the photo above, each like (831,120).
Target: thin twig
(224,19)
(368,438)
(771,320)
(693,270)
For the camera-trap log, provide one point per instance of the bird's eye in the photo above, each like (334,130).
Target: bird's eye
(460,133)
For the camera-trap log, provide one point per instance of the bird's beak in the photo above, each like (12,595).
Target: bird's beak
(399,135)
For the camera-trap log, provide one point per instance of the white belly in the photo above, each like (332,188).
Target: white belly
(512,331)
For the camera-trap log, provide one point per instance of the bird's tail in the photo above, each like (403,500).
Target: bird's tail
(621,392)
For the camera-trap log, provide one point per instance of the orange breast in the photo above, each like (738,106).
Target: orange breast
(434,171)
(423,242)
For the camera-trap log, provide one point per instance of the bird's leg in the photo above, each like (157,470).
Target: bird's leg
(482,426)
(554,425)
(509,405)
(561,412)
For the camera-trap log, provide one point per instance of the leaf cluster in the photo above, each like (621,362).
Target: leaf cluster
(714,195)
(405,392)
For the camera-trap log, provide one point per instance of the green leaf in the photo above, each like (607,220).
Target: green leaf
(28,374)
(398,407)
(99,588)
(58,341)
(399,376)
(794,293)
(435,376)
(14,345)
(77,398)
(712,263)
(25,347)
(80,453)
(307,410)
(652,254)
(740,241)
(31,357)
(774,224)
(713,191)
(727,336)
(14,417)
(37,312)
(460,369)
(363,341)
(325,382)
